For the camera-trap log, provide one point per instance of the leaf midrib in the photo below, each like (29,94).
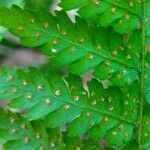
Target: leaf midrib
(56,35)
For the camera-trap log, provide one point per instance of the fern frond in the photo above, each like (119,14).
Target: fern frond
(74,143)
(118,113)
(9,3)
(59,100)
(79,46)
(20,134)
(123,16)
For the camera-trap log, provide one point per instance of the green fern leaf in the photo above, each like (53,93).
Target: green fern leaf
(77,143)
(79,47)
(20,134)
(2,32)
(41,96)
(123,16)
(25,25)
(9,3)
(119,111)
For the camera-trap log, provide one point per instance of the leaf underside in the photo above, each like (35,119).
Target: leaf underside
(123,16)
(78,47)
(20,134)
(50,99)
(111,38)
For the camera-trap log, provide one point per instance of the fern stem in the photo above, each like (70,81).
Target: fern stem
(142,79)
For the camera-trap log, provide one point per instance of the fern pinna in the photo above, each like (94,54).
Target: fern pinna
(110,39)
